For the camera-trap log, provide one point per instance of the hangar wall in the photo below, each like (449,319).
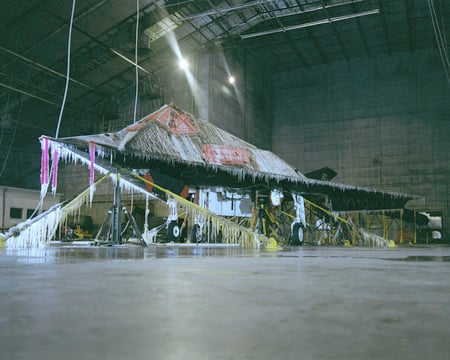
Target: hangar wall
(381,122)
(240,108)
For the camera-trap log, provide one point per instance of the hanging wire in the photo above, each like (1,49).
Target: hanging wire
(41,200)
(68,69)
(440,40)
(439,37)
(136,61)
(443,25)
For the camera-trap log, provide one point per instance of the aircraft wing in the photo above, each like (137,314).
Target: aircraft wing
(174,143)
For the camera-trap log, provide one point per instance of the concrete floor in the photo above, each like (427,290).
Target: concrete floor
(204,303)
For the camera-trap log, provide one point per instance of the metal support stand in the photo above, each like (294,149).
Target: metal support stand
(116,223)
(114,235)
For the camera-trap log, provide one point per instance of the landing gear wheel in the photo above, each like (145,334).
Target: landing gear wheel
(196,235)
(297,234)
(173,231)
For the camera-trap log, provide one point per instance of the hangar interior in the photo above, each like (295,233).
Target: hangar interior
(357,86)
(356,91)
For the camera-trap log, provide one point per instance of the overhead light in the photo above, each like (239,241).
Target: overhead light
(183,64)
(231,79)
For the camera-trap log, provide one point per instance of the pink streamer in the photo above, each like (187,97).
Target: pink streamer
(44,161)
(55,170)
(92,155)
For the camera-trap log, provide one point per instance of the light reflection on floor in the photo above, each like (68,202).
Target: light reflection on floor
(77,253)
(74,253)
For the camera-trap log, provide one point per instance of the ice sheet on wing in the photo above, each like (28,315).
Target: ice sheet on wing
(186,150)
(268,162)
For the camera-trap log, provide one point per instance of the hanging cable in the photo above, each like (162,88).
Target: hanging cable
(41,201)
(136,61)
(68,69)
(439,40)
(443,25)
(439,37)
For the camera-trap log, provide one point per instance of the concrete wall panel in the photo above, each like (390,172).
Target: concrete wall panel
(381,122)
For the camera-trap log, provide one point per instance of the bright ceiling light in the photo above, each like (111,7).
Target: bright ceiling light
(231,79)
(183,64)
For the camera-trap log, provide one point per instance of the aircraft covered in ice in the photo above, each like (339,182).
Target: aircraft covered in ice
(170,152)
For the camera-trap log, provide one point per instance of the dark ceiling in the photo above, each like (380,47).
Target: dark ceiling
(280,35)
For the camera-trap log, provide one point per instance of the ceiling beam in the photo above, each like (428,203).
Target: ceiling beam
(26,85)
(223,10)
(196,29)
(31,11)
(41,67)
(30,95)
(102,44)
(217,20)
(35,46)
(92,40)
(311,23)
(313,7)
(63,27)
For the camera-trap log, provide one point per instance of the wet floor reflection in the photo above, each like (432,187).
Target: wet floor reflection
(74,253)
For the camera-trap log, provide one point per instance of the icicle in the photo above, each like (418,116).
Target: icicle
(44,167)
(91,172)
(91,167)
(55,170)
(38,231)
(92,189)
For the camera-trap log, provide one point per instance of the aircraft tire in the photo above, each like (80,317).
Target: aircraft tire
(173,231)
(297,234)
